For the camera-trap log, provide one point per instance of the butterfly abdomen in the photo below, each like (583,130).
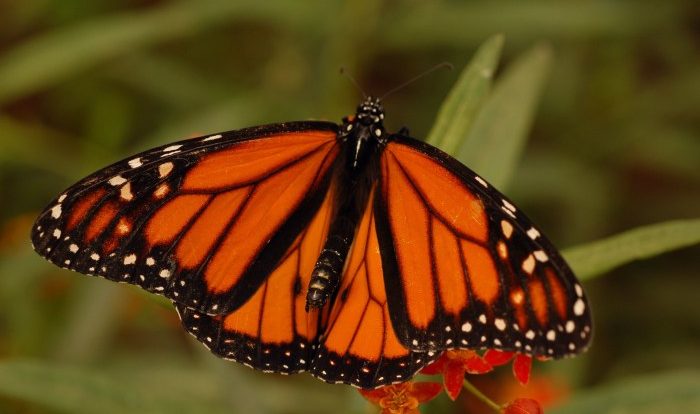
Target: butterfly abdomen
(325,277)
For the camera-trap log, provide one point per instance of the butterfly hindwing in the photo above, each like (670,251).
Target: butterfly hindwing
(359,346)
(202,221)
(464,268)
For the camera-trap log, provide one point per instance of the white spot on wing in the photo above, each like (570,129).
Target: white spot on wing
(56,211)
(135,163)
(506,228)
(467,327)
(533,233)
(579,307)
(130,259)
(541,256)
(57,233)
(211,138)
(529,264)
(117,180)
(500,324)
(481,181)
(73,248)
(165,169)
(172,148)
(125,192)
(165,273)
(508,205)
(570,326)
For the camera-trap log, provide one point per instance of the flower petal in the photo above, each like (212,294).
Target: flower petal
(521,368)
(453,378)
(436,367)
(374,395)
(425,391)
(477,365)
(496,358)
(523,406)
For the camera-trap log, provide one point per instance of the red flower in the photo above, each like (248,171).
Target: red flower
(453,365)
(523,406)
(402,398)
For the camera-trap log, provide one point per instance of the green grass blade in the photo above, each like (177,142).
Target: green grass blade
(459,109)
(596,258)
(674,392)
(46,60)
(499,132)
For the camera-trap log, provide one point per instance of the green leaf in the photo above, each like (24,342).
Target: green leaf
(51,58)
(458,111)
(598,257)
(498,134)
(675,392)
(75,390)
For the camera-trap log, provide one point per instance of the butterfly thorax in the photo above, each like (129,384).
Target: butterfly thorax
(362,135)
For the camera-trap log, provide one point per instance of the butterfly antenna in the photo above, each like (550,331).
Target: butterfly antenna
(354,82)
(446,65)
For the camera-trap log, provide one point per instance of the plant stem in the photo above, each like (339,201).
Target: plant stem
(480,395)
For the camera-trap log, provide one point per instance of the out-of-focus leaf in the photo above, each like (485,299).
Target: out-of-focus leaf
(75,390)
(498,134)
(463,23)
(459,109)
(596,258)
(161,386)
(57,55)
(20,143)
(675,392)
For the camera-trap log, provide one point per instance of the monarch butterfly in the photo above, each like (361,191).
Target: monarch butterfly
(342,250)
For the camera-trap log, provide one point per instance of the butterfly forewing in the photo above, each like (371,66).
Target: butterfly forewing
(203,221)
(485,277)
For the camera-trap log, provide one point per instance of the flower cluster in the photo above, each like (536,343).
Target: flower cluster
(453,366)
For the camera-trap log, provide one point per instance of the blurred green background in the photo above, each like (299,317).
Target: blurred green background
(613,144)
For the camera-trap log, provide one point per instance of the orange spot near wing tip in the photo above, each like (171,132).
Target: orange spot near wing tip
(538,298)
(101,220)
(559,296)
(81,208)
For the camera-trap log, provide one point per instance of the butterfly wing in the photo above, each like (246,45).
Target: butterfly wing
(464,268)
(272,330)
(359,345)
(202,221)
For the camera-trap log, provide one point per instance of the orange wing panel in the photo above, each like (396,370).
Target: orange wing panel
(448,264)
(359,324)
(442,191)
(170,220)
(82,207)
(271,201)
(253,160)
(101,220)
(482,272)
(200,238)
(409,224)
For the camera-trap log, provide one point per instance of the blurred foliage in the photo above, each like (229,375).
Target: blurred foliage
(606,94)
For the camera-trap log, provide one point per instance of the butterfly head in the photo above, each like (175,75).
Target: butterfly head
(368,120)
(370,112)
